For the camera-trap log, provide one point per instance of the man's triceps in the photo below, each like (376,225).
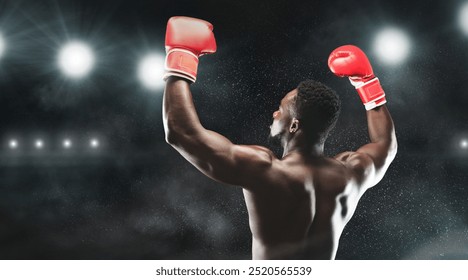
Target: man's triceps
(238,164)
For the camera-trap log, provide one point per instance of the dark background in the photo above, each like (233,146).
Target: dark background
(136,198)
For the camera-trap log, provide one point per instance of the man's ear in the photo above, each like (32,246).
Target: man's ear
(294,125)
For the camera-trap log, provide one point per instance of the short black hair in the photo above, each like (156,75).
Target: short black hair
(317,109)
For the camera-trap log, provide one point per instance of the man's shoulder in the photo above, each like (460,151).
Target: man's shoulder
(255,149)
(258,148)
(254,154)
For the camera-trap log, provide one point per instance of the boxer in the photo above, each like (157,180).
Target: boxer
(298,204)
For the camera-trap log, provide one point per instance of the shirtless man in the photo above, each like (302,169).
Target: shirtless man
(298,204)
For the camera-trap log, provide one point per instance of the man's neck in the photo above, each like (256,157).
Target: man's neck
(299,147)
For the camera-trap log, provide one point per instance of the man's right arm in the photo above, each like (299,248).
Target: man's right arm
(370,162)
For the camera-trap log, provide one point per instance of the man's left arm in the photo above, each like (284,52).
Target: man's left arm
(186,40)
(210,152)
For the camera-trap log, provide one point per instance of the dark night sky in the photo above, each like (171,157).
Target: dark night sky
(136,198)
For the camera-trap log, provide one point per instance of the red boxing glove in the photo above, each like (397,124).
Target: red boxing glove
(350,61)
(186,40)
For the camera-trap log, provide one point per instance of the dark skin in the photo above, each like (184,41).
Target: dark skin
(299,204)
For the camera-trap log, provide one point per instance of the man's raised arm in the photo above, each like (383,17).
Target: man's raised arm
(213,154)
(383,144)
(370,162)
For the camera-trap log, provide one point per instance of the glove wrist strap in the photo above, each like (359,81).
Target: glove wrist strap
(371,94)
(182,63)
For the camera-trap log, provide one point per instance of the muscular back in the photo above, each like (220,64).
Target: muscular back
(301,210)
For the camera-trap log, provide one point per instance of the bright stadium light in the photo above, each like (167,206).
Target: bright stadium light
(2,45)
(76,59)
(464,144)
(392,46)
(94,143)
(13,144)
(67,143)
(151,70)
(39,144)
(463,18)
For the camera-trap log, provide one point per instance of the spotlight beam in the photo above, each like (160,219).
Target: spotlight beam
(13,144)
(76,59)
(67,143)
(392,46)
(39,144)
(94,143)
(464,144)
(151,70)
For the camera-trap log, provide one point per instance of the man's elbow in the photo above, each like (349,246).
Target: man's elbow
(173,132)
(177,136)
(172,137)
(170,132)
